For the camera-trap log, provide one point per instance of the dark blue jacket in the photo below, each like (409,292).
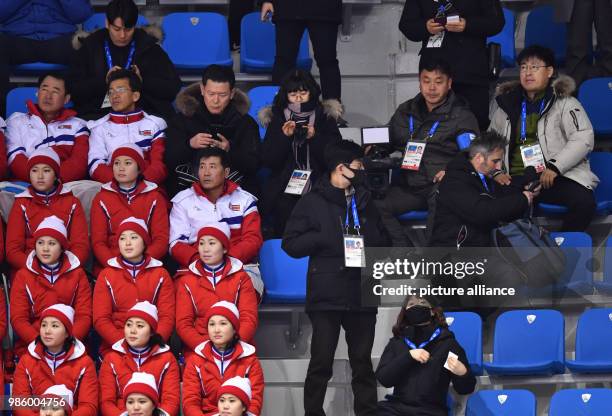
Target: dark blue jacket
(42,19)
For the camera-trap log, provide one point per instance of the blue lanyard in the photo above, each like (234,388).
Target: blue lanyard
(413,346)
(109,58)
(432,130)
(484,181)
(524,118)
(355,216)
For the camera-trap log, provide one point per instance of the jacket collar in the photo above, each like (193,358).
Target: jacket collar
(77,350)
(189,102)
(64,114)
(232,265)
(68,259)
(122,347)
(150,263)
(242,350)
(31,193)
(228,188)
(143,186)
(338,196)
(126,118)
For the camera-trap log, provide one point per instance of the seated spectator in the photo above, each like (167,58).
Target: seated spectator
(126,124)
(130,277)
(127,195)
(234,397)
(214,198)
(57,357)
(48,124)
(122,46)
(214,114)
(218,360)
(37,31)
(52,274)
(141,396)
(61,403)
(141,349)
(549,129)
(417,365)
(3,156)
(433,119)
(45,197)
(213,277)
(299,126)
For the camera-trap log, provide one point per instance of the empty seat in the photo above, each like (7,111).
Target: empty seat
(196,40)
(605,286)
(37,67)
(506,40)
(578,275)
(583,402)
(467,327)
(258,46)
(528,342)
(17,97)
(593,343)
(261,97)
(501,403)
(542,30)
(413,216)
(284,277)
(98,21)
(596,97)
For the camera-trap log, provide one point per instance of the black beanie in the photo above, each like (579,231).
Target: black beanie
(343,151)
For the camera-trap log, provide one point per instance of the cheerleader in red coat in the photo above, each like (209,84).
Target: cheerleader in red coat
(234,397)
(60,401)
(142,396)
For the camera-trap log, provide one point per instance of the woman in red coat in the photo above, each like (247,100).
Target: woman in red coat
(56,357)
(234,397)
(142,396)
(217,360)
(131,277)
(213,277)
(52,275)
(128,195)
(60,401)
(44,198)
(142,350)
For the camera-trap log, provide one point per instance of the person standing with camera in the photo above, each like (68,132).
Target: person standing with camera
(457,31)
(299,127)
(429,130)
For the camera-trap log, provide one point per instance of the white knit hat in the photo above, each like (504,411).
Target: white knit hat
(226,309)
(130,150)
(143,383)
(64,313)
(147,311)
(239,387)
(137,225)
(60,391)
(45,155)
(52,227)
(219,230)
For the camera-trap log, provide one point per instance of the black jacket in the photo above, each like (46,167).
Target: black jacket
(237,126)
(455,118)
(160,84)
(422,388)
(324,10)
(465,51)
(277,151)
(315,229)
(466,212)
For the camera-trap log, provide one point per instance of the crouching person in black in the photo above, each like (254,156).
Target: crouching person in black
(413,362)
(323,221)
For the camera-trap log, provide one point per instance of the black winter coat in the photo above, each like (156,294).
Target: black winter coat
(323,10)
(466,212)
(421,389)
(315,229)
(465,51)
(277,149)
(160,84)
(237,126)
(455,118)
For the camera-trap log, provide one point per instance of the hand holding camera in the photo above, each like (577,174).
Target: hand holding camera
(288,128)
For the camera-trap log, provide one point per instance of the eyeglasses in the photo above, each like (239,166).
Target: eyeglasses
(531,68)
(118,90)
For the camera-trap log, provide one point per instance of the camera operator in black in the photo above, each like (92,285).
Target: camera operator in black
(436,104)
(299,126)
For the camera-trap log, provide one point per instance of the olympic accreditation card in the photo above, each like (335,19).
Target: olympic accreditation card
(354,251)
(11,403)
(532,156)
(413,155)
(298,182)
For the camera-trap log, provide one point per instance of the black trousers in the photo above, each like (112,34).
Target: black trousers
(18,50)
(579,41)
(237,10)
(323,36)
(359,330)
(477,97)
(579,200)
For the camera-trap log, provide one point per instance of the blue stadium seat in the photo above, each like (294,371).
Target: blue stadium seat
(196,40)
(578,275)
(542,30)
(98,21)
(467,327)
(261,97)
(284,277)
(583,402)
(501,403)
(506,39)
(258,46)
(593,341)
(413,216)
(596,97)
(605,286)
(17,97)
(37,67)
(528,342)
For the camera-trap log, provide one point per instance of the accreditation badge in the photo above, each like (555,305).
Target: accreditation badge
(413,155)
(532,156)
(299,182)
(354,251)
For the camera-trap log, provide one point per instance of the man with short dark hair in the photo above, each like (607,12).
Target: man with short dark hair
(213,113)
(122,46)
(213,198)
(425,129)
(48,123)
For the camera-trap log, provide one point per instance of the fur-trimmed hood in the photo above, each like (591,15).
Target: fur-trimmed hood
(563,86)
(154,31)
(331,108)
(190,99)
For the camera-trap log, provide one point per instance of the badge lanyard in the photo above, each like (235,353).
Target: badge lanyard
(524,118)
(295,156)
(109,58)
(484,181)
(413,346)
(357,225)
(431,132)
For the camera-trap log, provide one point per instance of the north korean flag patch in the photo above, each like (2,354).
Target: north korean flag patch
(145,132)
(65,126)
(234,207)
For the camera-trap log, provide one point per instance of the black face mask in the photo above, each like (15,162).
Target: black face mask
(358,178)
(418,314)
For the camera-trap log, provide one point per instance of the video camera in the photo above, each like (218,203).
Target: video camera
(379,165)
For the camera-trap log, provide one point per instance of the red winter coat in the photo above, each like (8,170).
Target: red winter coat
(3,325)
(117,368)
(203,377)
(28,212)
(3,156)
(32,293)
(33,376)
(110,207)
(116,292)
(195,294)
